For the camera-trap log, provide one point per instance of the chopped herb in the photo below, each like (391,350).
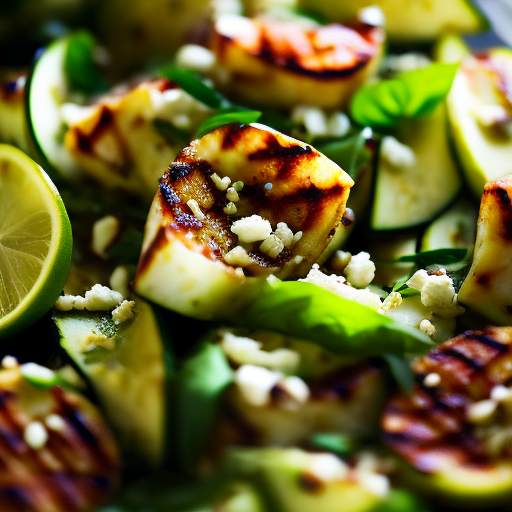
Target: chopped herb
(436,257)
(336,443)
(240,117)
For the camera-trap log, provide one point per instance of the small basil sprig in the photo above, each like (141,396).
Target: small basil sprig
(409,95)
(332,442)
(342,326)
(436,257)
(239,117)
(82,72)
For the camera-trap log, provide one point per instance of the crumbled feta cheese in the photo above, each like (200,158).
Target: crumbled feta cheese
(397,154)
(243,350)
(234,26)
(230,209)
(36,371)
(272,245)
(313,119)
(432,380)
(238,257)
(336,284)
(327,467)
(427,327)
(392,301)
(251,229)
(284,233)
(98,298)
(372,15)
(338,124)
(296,388)
(360,270)
(9,362)
(481,411)
(125,311)
(35,435)
(232,194)
(196,210)
(375,483)
(255,383)
(71,113)
(104,233)
(55,422)
(221,184)
(501,394)
(437,293)
(198,58)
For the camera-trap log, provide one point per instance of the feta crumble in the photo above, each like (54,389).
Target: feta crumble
(360,270)
(327,467)
(35,435)
(238,257)
(427,327)
(104,233)
(198,58)
(481,411)
(55,422)
(124,312)
(397,154)
(255,383)
(272,246)
(284,233)
(98,298)
(251,229)
(432,380)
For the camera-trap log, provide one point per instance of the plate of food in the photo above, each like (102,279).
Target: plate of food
(254,256)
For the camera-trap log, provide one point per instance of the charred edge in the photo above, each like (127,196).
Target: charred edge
(482,279)
(432,393)
(474,364)
(273,149)
(177,171)
(15,498)
(505,205)
(233,133)
(168,194)
(12,91)
(86,142)
(187,221)
(488,342)
(147,256)
(296,67)
(310,483)
(265,261)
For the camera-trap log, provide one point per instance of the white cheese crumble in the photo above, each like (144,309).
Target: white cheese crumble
(372,15)
(313,119)
(427,327)
(98,298)
(10,362)
(360,270)
(272,246)
(55,422)
(220,183)
(338,124)
(35,435)
(481,411)
(125,311)
(196,210)
(36,371)
(104,233)
(392,301)
(397,154)
(255,383)
(432,380)
(242,350)
(236,27)
(336,284)
(501,394)
(196,57)
(251,229)
(284,233)
(296,388)
(375,483)
(437,293)
(327,467)
(238,256)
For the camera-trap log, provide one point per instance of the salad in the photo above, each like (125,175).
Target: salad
(254,256)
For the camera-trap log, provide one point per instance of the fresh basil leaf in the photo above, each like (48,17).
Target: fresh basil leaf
(82,72)
(239,117)
(350,152)
(170,132)
(405,290)
(199,385)
(339,325)
(401,371)
(411,94)
(436,256)
(191,82)
(335,443)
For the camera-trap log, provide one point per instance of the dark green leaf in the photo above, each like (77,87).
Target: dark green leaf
(409,95)
(436,257)
(349,152)
(239,117)
(400,500)
(199,385)
(339,325)
(404,290)
(170,132)
(81,70)
(128,247)
(401,371)
(191,82)
(336,443)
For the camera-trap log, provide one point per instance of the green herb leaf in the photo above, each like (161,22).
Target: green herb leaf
(401,371)
(405,290)
(350,152)
(128,247)
(82,71)
(411,94)
(339,325)
(336,443)
(191,82)
(198,388)
(240,117)
(400,500)
(436,257)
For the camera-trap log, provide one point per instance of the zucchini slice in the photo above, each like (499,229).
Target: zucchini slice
(409,197)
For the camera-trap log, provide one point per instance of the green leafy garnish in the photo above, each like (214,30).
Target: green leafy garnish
(349,152)
(401,371)
(339,325)
(240,117)
(191,82)
(198,387)
(405,291)
(435,257)
(409,95)
(82,71)
(335,443)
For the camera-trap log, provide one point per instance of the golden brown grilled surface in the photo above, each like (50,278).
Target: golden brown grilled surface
(76,470)
(430,429)
(280,63)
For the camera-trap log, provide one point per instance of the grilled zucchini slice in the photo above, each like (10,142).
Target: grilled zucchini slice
(450,431)
(57,453)
(184,264)
(279,63)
